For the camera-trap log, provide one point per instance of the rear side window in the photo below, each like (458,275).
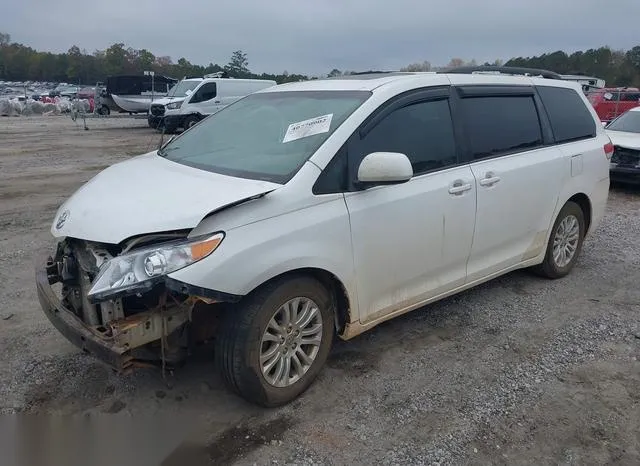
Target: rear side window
(570,118)
(501,125)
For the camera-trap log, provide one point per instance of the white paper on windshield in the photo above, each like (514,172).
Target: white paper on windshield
(188,92)
(306,128)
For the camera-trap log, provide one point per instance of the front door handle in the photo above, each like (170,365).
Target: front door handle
(458,187)
(489,180)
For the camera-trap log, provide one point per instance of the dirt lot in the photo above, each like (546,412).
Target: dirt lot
(518,371)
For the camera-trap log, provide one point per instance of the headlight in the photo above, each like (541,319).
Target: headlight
(139,270)
(174,105)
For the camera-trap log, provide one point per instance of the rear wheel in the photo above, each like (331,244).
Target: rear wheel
(274,344)
(565,242)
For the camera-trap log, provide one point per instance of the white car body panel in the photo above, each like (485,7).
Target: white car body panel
(166,100)
(149,194)
(625,139)
(511,222)
(411,241)
(288,229)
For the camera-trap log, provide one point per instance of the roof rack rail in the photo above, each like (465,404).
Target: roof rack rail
(217,74)
(512,70)
(358,73)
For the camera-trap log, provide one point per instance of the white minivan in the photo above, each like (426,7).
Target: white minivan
(198,98)
(323,208)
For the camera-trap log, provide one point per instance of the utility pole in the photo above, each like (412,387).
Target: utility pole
(153,87)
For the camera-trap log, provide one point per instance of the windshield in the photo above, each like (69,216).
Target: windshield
(265,136)
(181,89)
(628,122)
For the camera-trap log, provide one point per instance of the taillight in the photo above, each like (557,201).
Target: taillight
(608,150)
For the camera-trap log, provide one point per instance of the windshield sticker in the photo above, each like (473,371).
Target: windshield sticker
(188,92)
(306,128)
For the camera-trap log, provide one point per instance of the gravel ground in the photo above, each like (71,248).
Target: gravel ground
(517,371)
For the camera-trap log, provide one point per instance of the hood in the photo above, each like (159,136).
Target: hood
(624,139)
(148,194)
(167,100)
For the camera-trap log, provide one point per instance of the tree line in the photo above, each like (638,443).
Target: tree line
(19,63)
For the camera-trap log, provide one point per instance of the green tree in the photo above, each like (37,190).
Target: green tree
(238,66)
(415,67)
(146,59)
(633,56)
(115,58)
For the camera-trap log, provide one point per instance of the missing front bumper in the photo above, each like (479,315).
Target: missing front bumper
(117,342)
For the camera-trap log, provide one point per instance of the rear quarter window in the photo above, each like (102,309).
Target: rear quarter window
(570,118)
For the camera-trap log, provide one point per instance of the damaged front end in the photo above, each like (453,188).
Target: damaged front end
(117,302)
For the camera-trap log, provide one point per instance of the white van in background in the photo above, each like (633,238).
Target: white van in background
(200,98)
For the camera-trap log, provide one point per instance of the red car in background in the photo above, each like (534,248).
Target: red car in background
(609,103)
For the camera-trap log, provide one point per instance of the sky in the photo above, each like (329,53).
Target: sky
(315,36)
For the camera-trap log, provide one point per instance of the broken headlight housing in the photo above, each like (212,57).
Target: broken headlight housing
(138,271)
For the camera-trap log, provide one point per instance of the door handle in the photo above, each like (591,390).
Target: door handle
(489,180)
(216,101)
(458,187)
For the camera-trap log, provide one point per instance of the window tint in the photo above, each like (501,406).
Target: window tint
(570,118)
(422,131)
(334,176)
(499,125)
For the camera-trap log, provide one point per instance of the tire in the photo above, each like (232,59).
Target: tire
(550,267)
(190,121)
(240,343)
(166,129)
(104,110)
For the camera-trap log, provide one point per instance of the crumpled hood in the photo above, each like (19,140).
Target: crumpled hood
(148,194)
(624,139)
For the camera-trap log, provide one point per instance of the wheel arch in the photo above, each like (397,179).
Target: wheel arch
(343,310)
(585,205)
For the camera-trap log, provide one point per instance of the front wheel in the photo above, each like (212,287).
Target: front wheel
(190,121)
(565,242)
(274,344)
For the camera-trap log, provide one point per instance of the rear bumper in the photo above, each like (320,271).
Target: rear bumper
(76,331)
(625,175)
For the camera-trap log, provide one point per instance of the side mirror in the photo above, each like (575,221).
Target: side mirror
(385,168)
